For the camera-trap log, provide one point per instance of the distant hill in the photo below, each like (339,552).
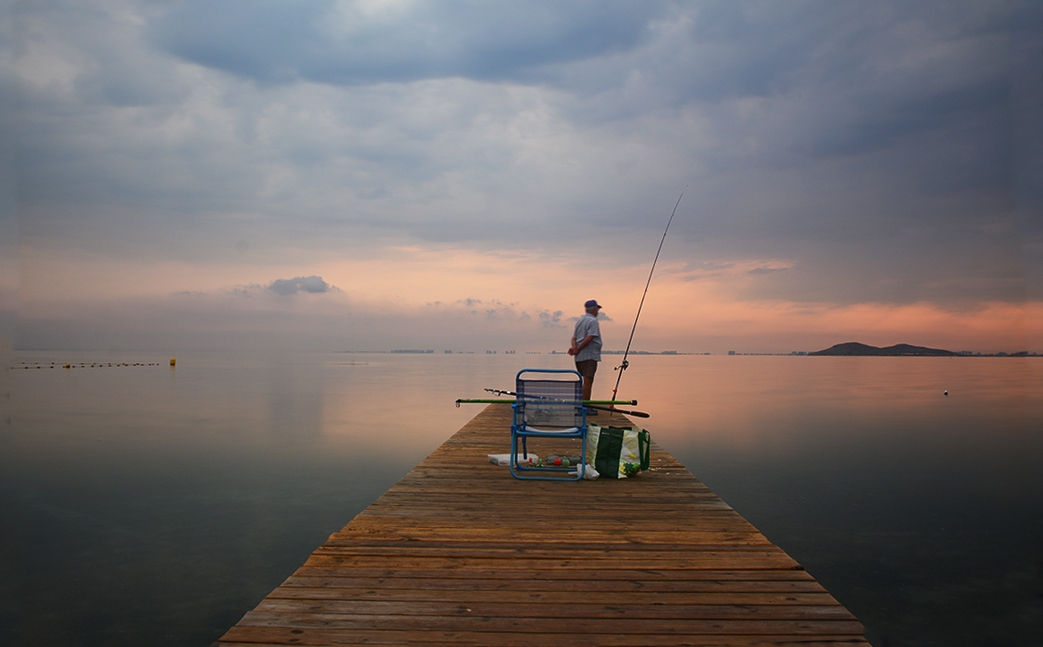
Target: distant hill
(854,348)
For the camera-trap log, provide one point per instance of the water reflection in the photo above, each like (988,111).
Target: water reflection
(149,504)
(909,505)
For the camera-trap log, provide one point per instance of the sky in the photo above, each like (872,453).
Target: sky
(390,174)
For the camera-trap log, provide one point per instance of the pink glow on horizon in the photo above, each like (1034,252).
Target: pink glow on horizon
(453,296)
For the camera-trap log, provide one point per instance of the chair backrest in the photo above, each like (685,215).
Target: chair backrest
(549,398)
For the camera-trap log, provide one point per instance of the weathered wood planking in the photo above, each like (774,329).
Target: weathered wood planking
(459,552)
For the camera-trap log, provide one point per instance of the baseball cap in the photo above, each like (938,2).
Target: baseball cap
(591,304)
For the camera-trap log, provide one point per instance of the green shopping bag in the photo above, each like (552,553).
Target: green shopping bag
(618,452)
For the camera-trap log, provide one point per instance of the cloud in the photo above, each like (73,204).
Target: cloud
(309,284)
(550,319)
(427,152)
(351,43)
(767,270)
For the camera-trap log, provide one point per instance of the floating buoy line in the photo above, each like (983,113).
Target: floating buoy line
(72,365)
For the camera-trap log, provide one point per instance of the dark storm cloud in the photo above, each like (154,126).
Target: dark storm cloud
(341,43)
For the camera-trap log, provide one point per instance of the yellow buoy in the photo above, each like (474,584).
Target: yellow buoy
(173,361)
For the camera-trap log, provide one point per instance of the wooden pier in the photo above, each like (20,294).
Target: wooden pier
(458,552)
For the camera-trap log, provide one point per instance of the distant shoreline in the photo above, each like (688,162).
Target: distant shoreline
(858,349)
(846,349)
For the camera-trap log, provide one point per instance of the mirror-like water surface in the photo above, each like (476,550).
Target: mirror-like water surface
(145,504)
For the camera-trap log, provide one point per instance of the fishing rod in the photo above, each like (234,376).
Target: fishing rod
(502,392)
(624,364)
(586,403)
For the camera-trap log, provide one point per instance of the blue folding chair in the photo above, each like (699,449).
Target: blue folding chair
(548,404)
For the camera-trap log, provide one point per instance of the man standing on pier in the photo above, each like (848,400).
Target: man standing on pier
(586,346)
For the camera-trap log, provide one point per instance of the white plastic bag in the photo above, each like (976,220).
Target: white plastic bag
(590,473)
(505,459)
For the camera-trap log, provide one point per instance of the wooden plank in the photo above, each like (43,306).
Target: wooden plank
(695,582)
(345,610)
(285,636)
(460,552)
(406,592)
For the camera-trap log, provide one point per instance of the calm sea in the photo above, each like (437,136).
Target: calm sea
(156,505)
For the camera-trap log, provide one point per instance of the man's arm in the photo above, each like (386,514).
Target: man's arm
(578,347)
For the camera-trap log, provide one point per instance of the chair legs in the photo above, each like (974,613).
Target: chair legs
(545,472)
